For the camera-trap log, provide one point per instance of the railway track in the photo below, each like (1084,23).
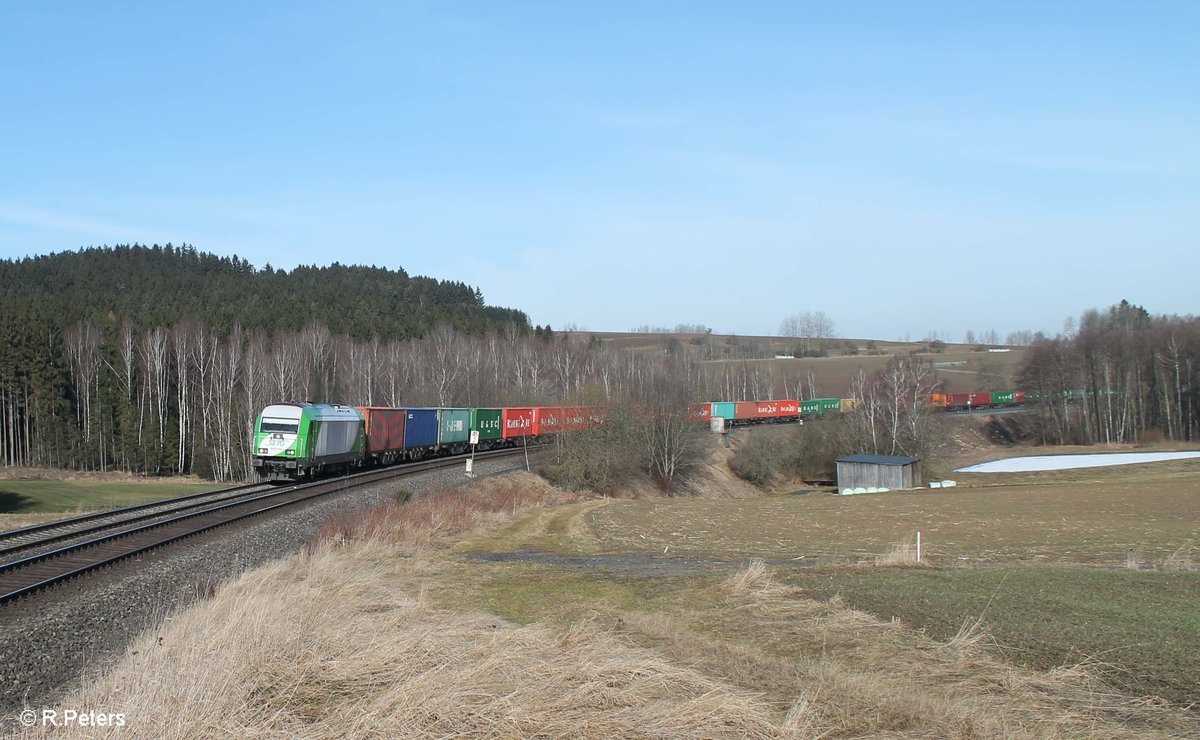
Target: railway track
(85,544)
(22,542)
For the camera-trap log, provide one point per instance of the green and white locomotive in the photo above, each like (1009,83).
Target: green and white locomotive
(304,440)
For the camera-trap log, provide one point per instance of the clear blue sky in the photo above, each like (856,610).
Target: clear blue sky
(903,167)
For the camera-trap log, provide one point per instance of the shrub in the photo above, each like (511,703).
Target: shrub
(761,457)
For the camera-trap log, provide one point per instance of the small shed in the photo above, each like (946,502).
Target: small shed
(878,471)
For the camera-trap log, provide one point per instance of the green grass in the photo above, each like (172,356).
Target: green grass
(527,594)
(30,496)
(1143,628)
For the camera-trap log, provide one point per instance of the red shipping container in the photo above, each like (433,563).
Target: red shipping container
(937,400)
(576,418)
(980,399)
(1018,396)
(516,422)
(958,400)
(699,411)
(788,407)
(750,410)
(547,419)
(384,429)
(597,414)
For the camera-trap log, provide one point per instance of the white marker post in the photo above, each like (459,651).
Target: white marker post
(471,460)
(918,545)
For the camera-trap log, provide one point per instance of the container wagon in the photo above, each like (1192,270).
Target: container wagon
(384,428)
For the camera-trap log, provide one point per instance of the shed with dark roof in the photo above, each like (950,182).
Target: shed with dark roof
(893,472)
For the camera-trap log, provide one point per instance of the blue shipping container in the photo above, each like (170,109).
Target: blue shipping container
(420,428)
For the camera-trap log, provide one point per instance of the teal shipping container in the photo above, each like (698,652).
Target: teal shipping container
(723,409)
(453,425)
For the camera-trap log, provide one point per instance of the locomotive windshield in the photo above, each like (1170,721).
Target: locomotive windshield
(278,425)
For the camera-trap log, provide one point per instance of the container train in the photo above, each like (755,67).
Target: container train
(295,441)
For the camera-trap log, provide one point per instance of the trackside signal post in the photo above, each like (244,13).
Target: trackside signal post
(471,459)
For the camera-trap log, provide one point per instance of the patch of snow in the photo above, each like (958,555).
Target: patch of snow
(1066,462)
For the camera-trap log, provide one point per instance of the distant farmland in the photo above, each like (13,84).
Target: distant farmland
(832,375)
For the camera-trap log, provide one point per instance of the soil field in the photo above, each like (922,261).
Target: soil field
(1094,569)
(832,375)
(1088,521)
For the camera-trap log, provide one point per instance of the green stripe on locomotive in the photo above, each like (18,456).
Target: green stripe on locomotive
(320,432)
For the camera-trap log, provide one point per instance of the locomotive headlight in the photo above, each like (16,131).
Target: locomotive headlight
(291,452)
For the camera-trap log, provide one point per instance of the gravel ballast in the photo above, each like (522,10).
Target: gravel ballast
(49,642)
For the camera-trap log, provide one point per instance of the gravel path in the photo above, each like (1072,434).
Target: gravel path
(49,642)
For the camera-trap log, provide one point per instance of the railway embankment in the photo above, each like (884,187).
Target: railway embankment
(50,640)
(397,623)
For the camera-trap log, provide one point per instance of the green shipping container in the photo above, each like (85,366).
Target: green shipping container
(815,406)
(1002,397)
(723,409)
(453,425)
(487,423)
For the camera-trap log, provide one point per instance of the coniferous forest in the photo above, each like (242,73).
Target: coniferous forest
(155,360)
(150,359)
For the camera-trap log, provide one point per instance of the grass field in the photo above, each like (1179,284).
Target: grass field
(392,625)
(1095,567)
(1140,630)
(1094,517)
(30,497)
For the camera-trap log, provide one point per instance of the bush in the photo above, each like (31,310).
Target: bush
(762,456)
(601,459)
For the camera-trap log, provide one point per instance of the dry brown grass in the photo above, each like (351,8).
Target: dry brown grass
(900,553)
(367,634)
(1180,560)
(433,518)
(850,674)
(325,645)
(16,521)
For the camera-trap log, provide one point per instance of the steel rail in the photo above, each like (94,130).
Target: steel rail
(140,513)
(92,516)
(25,576)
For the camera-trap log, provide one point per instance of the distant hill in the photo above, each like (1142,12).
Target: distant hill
(160,286)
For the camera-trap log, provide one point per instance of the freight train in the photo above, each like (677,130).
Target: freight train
(743,413)
(295,441)
(976,400)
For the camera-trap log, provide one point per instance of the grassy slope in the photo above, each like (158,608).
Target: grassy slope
(394,628)
(30,496)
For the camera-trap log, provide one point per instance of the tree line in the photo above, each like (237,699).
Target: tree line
(1122,376)
(150,358)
